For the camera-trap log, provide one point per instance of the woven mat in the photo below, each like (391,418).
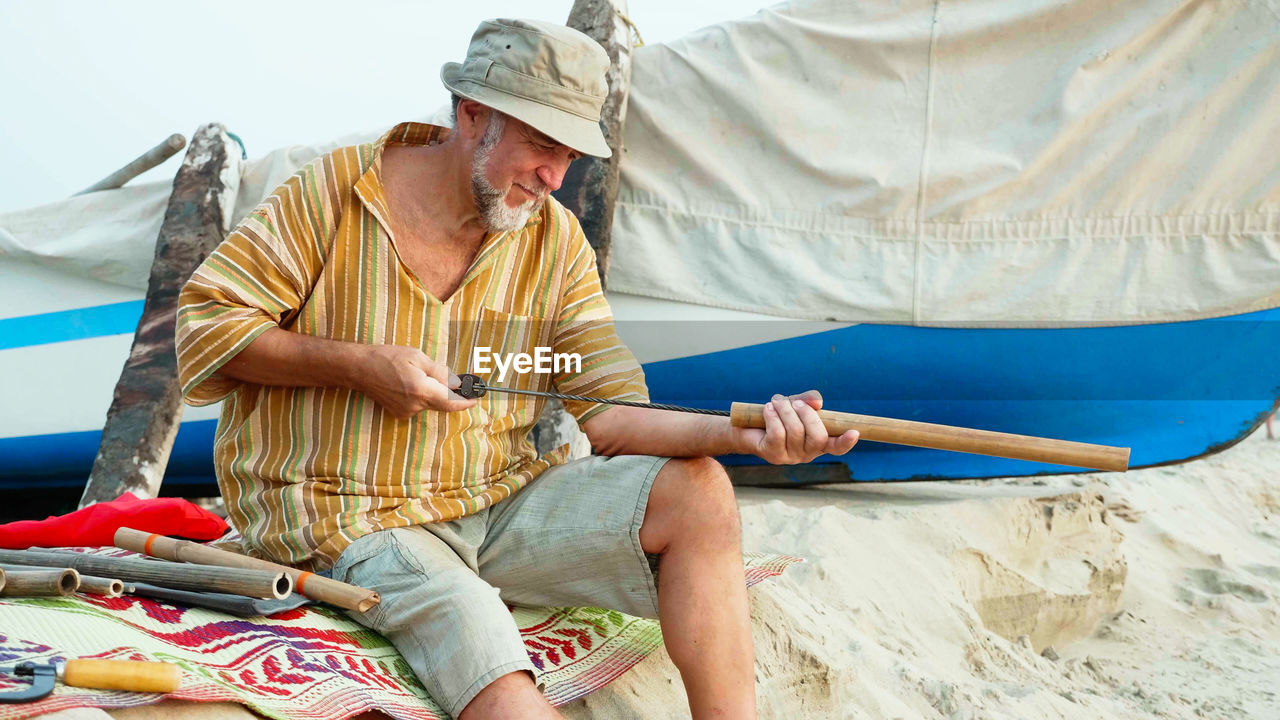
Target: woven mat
(313,663)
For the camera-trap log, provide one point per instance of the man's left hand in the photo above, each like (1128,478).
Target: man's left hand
(794,432)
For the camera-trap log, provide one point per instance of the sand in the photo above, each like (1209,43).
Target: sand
(1156,590)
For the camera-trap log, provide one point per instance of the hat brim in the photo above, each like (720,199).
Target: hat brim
(579,133)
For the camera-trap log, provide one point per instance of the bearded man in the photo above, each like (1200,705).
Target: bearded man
(327,323)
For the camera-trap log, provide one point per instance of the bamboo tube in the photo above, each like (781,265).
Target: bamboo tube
(199,578)
(107,587)
(314,586)
(947,437)
(40,582)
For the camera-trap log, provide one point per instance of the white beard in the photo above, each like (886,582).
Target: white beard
(496,215)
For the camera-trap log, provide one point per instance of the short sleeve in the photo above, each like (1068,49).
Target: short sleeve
(584,326)
(256,279)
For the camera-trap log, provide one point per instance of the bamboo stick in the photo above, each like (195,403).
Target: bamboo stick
(140,164)
(39,582)
(947,437)
(107,587)
(313,586)
(199,578)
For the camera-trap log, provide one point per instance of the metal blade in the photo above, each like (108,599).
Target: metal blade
(473,387)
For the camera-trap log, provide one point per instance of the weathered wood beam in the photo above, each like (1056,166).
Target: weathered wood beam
(590,187)
(140,164)
(147,406)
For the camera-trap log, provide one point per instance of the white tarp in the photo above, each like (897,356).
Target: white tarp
(1000,162)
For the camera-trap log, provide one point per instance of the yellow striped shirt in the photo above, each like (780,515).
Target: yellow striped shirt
(306,470)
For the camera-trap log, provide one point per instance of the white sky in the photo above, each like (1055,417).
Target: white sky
(88,86)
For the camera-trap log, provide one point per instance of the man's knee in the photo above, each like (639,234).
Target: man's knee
(692,500)
(511,695)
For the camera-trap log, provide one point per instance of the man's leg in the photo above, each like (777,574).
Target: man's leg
(448,624)
(692,522)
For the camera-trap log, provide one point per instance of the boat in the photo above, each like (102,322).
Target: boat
(934,213)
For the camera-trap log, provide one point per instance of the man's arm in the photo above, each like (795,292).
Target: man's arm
(793,432)
(403,380)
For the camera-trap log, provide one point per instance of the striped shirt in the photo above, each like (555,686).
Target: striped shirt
(307,470)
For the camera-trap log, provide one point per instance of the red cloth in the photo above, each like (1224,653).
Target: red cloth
(97,524)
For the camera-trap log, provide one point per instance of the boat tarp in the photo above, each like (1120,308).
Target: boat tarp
(973,163)
(1008,162)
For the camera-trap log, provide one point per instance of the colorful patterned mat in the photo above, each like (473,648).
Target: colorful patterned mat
(313,663)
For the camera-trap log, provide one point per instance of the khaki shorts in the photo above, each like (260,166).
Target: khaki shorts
(570,538)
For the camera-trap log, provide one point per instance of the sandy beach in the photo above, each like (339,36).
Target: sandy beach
(1151,594)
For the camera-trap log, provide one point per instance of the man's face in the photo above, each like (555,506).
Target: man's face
(515,167)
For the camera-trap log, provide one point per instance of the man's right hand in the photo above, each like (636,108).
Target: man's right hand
(405,381)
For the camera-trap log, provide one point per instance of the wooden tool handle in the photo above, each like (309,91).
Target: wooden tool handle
(135,675)
(314,586)
(947,437)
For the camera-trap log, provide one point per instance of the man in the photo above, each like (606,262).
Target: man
(328,324)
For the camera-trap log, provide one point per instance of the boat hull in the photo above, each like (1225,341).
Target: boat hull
(1172,391)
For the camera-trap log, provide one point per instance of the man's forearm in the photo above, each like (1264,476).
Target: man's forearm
(282,357)
(621,430)
(401,380)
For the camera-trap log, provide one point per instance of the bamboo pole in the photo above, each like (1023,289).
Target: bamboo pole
(39,582)
(198,578)
(140,164)
(107,587)
(958,439)
(314,586)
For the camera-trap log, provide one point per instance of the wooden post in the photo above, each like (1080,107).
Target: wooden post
(147,406)
(591,185)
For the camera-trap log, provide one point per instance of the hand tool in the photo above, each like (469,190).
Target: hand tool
(134,675)
(880,429)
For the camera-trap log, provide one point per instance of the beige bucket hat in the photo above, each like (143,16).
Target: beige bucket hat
(549,76)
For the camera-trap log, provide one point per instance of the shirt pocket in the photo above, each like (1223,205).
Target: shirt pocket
(496,341)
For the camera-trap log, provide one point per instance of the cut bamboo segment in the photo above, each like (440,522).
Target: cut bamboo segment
(39,582)
(198,578)
(107,587)
(314,586)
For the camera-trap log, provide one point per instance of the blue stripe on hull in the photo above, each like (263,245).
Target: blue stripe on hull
(78,324)
(1171,391)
